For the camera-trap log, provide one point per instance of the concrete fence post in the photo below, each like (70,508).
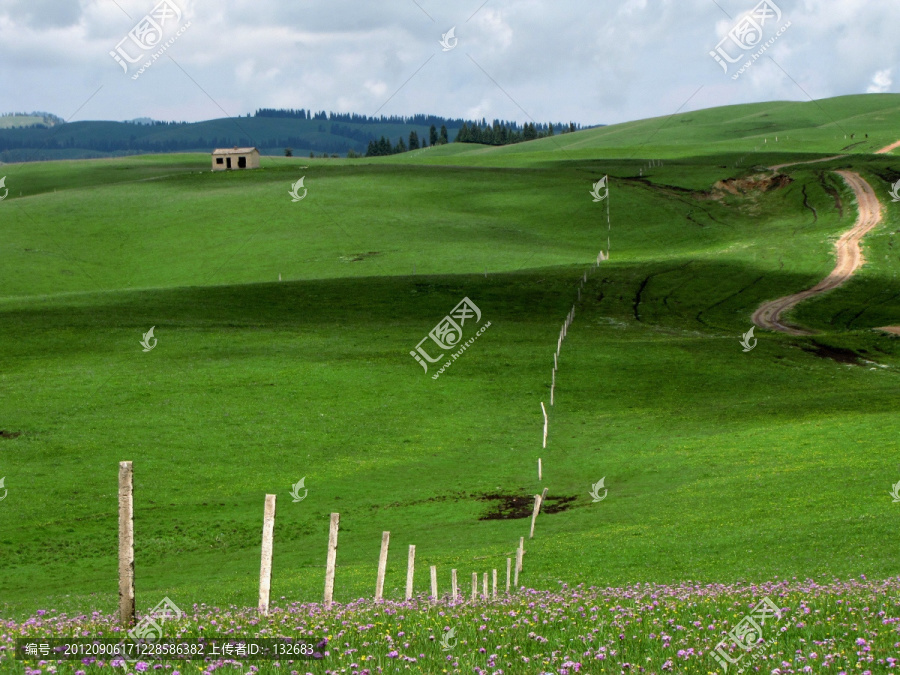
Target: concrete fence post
(265,566)
(331,560)
(382,566)
(434,589)
(126,544)
(410,569)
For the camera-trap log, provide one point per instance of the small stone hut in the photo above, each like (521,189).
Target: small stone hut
(235,158)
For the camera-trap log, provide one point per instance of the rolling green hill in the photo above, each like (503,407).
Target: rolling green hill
(780,128)
(721,465)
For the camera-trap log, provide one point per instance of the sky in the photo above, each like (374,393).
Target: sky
(587,61)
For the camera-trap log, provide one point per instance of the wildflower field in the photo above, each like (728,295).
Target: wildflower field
(836,627)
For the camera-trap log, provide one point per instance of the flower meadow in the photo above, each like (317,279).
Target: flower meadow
(839,627)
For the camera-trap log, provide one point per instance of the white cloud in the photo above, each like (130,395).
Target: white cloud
(881,82)
(580,60)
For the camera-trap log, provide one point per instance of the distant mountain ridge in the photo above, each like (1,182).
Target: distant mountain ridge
(271,130)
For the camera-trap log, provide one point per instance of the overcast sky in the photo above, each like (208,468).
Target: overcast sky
(589,61)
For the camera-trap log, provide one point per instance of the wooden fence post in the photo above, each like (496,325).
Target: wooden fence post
(474,586)
(545,423)
(410,568)
(508,568)
(382,566)
(518,567)
(332,558)
(484,586)
(494,586)
(522,554)
(265,566)
(434,593)
(453,589)
(126,544)
(540,474)
(543,497)
(534,514)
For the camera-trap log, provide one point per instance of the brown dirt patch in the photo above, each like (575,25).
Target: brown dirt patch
(9,434)
(512,507)
(751,184)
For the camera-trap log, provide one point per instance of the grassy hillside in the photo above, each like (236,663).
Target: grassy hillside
(721,465)
(748,130)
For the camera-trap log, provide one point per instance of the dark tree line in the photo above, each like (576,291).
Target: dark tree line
(383,147)
(354,118)
(200,143)
(508,133)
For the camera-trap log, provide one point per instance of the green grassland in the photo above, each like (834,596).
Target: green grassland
(721,465)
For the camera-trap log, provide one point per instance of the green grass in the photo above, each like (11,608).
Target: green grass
(721,465)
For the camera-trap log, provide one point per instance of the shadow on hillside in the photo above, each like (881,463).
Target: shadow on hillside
(710,295)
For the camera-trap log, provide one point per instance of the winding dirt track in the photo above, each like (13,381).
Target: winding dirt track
(849,259)
(888,148)
(779,167)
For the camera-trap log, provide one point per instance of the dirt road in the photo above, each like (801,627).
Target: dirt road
(888,148)
(849,259)
(779,167)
